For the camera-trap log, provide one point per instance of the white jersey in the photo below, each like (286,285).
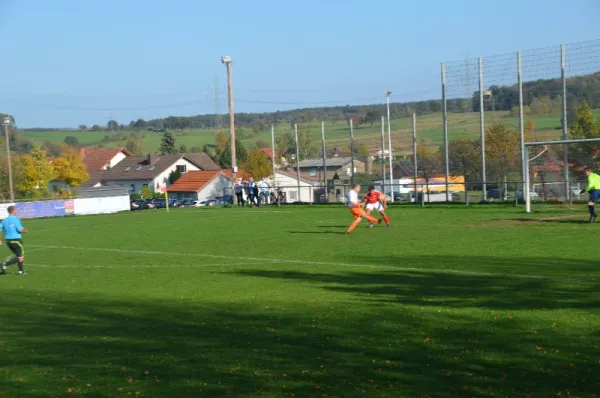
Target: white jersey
(352,198)
(375,206)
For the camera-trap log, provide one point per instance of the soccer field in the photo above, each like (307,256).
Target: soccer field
(450,301)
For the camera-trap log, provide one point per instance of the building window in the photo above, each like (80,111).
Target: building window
(132,187)
(313,172)
(293,195)
(182,168)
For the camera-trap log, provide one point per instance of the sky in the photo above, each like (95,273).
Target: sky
(70,62)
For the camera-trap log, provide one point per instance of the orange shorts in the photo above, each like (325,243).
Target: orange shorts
(357,212)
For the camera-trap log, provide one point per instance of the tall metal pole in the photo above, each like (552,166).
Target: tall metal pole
(445,121)
(6,123)
(383,154)
(482,131)
(521,120)
(415,172)
(324,162)
(352,151)
(389,120)
(227,61)
(526,196)
(563,78)
(297,160)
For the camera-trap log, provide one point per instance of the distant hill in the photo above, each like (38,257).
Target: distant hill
(541,96)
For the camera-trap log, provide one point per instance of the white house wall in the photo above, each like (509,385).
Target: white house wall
(115,160)
(217,188)
(134,186)
(289,186)
(162,180)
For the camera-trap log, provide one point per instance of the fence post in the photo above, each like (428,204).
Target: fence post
(352,151)
(482,131)
(415,172)
(445,121)
(563,78)
(521,119)
(526,190)
(297,161)
(324,162)
(383,154)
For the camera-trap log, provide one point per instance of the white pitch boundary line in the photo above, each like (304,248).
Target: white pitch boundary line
(140,266)
(308,262)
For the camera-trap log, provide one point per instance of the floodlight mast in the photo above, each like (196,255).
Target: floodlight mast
(226,60)
(7,122)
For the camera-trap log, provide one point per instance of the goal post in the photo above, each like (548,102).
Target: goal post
(556,168)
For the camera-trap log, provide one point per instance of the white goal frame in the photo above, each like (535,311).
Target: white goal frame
(526,161)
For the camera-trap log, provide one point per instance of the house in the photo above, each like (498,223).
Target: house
(201,185)
(287,182)
(279,160)
(203,161)
(338,168)
(151,171)
(96,160)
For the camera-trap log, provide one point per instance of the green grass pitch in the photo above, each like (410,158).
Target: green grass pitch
(450,301)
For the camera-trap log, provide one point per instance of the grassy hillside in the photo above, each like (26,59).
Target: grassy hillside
(429,127)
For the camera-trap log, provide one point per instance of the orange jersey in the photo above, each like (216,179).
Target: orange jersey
(373,197)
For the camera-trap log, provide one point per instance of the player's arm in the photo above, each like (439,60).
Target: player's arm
(21,229)
(384,200)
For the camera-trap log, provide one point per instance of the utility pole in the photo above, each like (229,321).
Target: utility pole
(383,154)
(352,151)
(227,61)
(389,120)
(7,122)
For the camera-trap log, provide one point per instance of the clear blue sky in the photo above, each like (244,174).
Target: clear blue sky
(70,62)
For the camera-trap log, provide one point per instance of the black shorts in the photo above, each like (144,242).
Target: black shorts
(16,246)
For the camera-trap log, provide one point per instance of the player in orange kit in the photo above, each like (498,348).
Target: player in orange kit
(376,201)
(356,208)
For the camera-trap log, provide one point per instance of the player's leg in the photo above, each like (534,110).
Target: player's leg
(357,214)
(384,216)
(368,209)
(592,205)
(17,248)
(371,219)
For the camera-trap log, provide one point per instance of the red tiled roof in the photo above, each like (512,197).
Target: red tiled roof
(268,152)
(97,158)
(194,181)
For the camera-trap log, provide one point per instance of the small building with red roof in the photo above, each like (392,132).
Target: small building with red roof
(202,185)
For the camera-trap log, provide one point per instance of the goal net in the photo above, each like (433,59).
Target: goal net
(554,171)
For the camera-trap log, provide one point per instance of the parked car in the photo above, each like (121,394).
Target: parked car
(158,203)
(534,196)
(138,204)
(496,194)
(174,203)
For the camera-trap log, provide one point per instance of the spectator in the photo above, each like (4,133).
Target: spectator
(264,192)
(251,190)
(239,192)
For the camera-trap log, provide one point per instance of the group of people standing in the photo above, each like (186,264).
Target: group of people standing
(254,193)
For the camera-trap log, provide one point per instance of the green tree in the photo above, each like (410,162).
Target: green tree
(584,126)
(167,144)
(146,193)
(183,148)
(240,153)
(112,125)
(82,127)
(174,176)
(465,159)
(71,141)
(258,165)
(96,127)
(36,172)
(372,116)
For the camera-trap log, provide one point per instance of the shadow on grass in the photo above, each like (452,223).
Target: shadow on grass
(365,334)
(551,220)
(317,232)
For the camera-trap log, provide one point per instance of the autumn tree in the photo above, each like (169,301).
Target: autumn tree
(585,127)
(36,172)
(221,142)
(258,164)
(465,159)
(429,162)
(502,151)
(69,168)
(134,145)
